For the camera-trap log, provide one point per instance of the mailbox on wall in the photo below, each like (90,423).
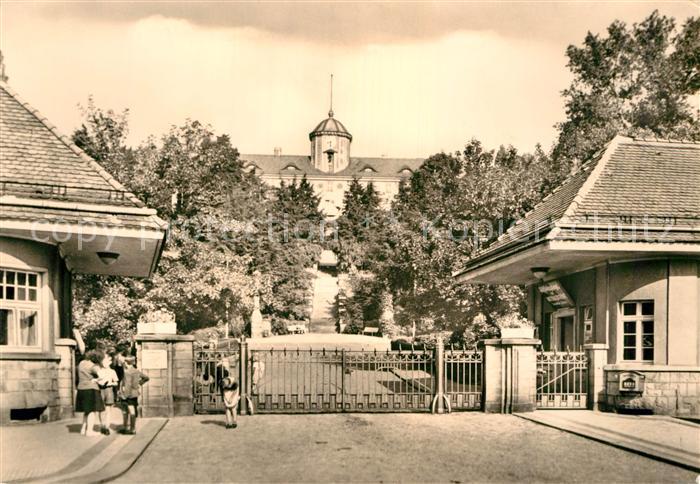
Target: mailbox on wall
(631,382)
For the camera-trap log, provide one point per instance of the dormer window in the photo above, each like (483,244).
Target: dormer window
(369,169)
(252,168)
(291,168)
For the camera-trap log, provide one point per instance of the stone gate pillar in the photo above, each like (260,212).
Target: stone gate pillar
(167,360)
(510,375)
(65,348)
(597,354)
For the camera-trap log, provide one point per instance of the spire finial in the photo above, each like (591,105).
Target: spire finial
(330,112)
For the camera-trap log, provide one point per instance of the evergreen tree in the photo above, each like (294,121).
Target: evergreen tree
(360,227)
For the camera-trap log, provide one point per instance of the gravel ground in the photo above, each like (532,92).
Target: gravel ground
(461,447)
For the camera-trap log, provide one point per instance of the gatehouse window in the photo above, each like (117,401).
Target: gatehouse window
(20,308)
(637,330)
(587,318)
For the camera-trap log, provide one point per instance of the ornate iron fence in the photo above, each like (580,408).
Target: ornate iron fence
(314,381)
(562,379)
(464,378)
(289,381)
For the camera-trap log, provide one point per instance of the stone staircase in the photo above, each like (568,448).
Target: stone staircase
(324,301)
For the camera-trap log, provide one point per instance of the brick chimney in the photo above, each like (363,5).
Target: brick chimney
(278,151)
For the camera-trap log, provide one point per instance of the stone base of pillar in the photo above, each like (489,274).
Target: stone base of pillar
(65,347)
(510,375)
(167,361)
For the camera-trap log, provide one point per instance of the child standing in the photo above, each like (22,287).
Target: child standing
(129,391)
(230,395)
(89,400)
(107,380)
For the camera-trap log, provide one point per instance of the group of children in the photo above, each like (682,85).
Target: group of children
(105,379)
(109,378)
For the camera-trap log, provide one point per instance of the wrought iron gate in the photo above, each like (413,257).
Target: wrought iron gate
(315,381)
(210,366)
(464,378)
(291,381)
(562,380)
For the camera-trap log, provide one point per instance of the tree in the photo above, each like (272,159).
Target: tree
(102,135)
(360,228)
(450,207)
(637,80)
(219,236)
(290,248)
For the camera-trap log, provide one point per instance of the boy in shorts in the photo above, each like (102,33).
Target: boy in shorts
(129,391)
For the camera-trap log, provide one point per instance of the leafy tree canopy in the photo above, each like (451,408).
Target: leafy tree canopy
(221,247)
(638,80)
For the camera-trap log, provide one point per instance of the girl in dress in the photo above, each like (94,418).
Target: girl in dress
(107,380)
(89,399)
(230,394)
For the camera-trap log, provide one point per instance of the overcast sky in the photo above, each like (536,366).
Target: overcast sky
(411,79)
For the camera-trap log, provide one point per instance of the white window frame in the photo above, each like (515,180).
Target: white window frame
(639,321)
(39,305)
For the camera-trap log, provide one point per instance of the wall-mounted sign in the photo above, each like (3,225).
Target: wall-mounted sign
(556,295)
(631,382)
(154,359)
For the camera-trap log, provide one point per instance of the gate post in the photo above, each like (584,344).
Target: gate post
(244,383)
(510,375)
(342,378)
(167,360)
(440,400)
(597,354)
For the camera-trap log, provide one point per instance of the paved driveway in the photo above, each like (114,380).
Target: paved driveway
(461,447)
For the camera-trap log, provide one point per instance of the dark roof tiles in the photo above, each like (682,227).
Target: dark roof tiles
(330,125)
(44,176)
(33,151)
(632,183)
(383,167)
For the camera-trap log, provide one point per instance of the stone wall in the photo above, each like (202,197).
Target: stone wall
(30,384)
(666,392)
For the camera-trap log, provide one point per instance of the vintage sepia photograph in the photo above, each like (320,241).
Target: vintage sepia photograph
(350,241)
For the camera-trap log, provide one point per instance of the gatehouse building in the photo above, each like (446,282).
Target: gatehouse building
(611,262)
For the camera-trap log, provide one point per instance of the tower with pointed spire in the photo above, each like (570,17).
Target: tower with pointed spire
(330,143)
(329,166)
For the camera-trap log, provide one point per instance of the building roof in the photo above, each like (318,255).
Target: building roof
(634,189)
(36,158)
(46,179)
(362,167)
(332,126)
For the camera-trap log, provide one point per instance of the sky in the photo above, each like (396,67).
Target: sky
(410,79)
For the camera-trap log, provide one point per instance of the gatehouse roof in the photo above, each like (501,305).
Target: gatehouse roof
(635,189)
(48,183)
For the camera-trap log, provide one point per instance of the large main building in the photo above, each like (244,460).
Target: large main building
(330,168)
